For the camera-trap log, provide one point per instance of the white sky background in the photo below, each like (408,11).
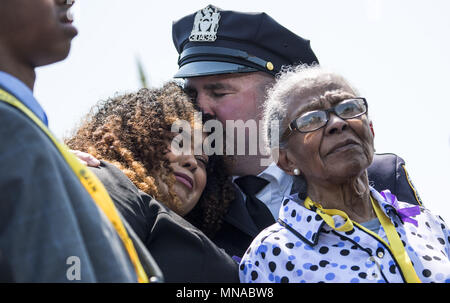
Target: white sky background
(397,53)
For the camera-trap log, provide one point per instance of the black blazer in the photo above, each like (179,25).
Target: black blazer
(6,275)
(387,171)
(183,252)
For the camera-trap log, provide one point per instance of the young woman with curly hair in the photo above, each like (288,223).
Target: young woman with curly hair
(132,135)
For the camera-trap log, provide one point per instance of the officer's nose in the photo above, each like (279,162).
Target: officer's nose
(335,125)
(205,104)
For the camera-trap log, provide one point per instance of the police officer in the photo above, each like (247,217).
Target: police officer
(228,60)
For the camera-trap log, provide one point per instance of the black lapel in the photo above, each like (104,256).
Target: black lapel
(238,216)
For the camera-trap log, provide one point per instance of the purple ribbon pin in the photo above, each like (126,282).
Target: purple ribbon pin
(236,259)
(404,213)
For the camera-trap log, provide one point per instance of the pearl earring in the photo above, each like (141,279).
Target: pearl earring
(296,171)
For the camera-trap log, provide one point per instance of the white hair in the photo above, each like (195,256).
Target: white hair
(292,82)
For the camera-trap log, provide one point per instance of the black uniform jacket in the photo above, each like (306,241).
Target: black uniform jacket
(183,252)
(386,172)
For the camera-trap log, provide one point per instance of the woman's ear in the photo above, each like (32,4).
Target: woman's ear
(285,163)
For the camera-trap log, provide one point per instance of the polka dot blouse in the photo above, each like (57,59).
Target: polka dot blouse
(308,250)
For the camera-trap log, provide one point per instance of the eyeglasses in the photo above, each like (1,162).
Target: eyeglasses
(346,109)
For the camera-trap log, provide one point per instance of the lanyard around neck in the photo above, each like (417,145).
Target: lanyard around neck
(327,215)
(90,182)
(395,244)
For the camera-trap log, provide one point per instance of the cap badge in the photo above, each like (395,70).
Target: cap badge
(206,24)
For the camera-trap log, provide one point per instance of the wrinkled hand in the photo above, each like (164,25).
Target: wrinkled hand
(86,158)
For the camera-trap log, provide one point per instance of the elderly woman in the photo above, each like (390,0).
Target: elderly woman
(341,230)
(156,186)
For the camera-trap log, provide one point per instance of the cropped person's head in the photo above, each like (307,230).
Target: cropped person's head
(322,145)
(134,132)
(36,32)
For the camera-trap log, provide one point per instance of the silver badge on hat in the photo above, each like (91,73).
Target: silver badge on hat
(206,24)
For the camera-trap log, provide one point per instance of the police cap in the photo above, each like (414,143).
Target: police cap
(214,41)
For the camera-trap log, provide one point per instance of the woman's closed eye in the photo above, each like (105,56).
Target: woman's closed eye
(203,160)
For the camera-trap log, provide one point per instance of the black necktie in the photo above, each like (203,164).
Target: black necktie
(250,186)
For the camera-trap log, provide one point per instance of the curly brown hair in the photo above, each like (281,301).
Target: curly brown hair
(132,130)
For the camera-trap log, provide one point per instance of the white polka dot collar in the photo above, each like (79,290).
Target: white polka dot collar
(307,224)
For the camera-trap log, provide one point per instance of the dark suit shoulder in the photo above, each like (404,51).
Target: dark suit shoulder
(113,176)
(388,171)
(126,197)
(159,211)
(18,131)
(182,252)
(185,253)
(29,162)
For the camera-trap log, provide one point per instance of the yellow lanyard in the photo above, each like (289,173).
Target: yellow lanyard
(90,182)
(327,214)
(396,245)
